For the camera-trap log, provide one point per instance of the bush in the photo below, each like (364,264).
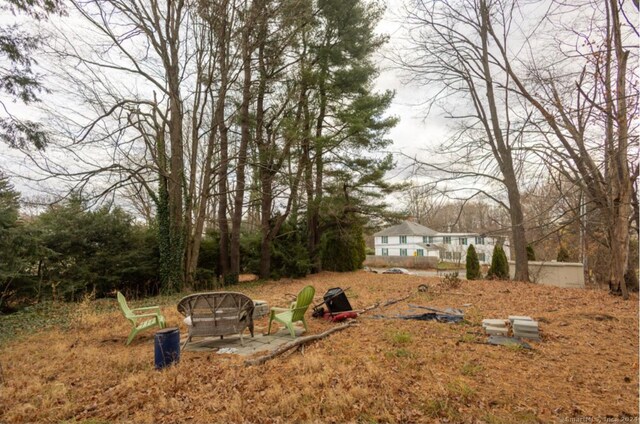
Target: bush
(563,254)
(290,257)
(95,251)
(531,254)
(343,248)
(451,280)
(473,265)
(499,269)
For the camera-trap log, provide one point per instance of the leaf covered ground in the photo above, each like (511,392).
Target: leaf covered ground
(383,370)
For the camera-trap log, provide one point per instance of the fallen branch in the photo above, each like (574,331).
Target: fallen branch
(296,343)
(387,303)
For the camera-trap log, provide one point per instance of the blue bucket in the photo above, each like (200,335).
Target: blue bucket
(167,347)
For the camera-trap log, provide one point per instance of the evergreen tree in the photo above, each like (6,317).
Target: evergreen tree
(12,263)
(17,76)
(343,247)
(473,265)
(499,269)
(99,251)
(349,118)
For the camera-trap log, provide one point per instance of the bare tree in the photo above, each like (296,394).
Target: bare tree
(588,117)
(451,48)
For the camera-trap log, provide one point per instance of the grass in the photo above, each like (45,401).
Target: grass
(68,363)
(461,391)
(471,369)
(401,338)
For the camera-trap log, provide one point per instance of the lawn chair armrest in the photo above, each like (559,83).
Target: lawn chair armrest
(147,316)
(146,308)
(280,309)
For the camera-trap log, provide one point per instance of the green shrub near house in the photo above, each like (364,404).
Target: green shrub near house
(473,265)
(499,269)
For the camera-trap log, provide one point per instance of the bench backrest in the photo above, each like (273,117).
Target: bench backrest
(217,308)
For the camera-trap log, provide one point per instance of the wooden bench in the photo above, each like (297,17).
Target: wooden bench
(217,314)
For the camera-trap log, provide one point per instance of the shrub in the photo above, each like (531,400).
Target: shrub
(451,280)
(473,265)
(563,254)
(499,269)
(343,248)
(531,254)
(290,257)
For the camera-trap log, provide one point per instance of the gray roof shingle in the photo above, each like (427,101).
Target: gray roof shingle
(407,228)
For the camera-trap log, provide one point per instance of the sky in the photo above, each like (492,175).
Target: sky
(412,135)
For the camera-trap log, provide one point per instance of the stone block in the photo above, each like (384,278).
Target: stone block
(513,318)
(261,308)
(526,325)
(497,331)
(494,323)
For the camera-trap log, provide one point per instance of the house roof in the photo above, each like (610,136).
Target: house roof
(407,228)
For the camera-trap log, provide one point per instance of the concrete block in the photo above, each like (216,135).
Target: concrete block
(494,323)
(525,325)
(496,331)
(519,318)
(260,309)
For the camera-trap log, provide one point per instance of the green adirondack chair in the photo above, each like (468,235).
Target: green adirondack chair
(295,312)
(138,322)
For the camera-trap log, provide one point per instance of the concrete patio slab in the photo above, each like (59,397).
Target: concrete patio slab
(231,344)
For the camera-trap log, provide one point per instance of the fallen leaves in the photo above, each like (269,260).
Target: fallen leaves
(380,371)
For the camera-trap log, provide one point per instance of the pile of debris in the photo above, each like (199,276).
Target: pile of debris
(522,327)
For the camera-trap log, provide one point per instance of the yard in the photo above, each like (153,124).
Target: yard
(382,370)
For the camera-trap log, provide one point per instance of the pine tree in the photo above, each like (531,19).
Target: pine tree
(18,79)
(473,265)
(499,269)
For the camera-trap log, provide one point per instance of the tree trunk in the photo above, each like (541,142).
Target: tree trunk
(503,154)
(316,187)
(245,135)
(223,169)
(619,170)
(264,156)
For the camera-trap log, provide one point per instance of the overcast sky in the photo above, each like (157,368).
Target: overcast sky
(412,135)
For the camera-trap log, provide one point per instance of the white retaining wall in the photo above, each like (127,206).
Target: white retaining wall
(559,274)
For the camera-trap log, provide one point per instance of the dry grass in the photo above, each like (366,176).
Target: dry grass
(384,370)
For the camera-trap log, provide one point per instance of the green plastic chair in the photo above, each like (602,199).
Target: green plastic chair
(156,319)
(295,312)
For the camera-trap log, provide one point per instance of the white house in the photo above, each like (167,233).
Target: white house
(412,239)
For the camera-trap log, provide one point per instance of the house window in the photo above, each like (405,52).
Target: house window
(403,239)
(457,256)
(385,239)
(463,241)
(479,240)
(481,257)
(427,239)
(447,255)
(385,252)
(419,252)
(403,252)
(446,239)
